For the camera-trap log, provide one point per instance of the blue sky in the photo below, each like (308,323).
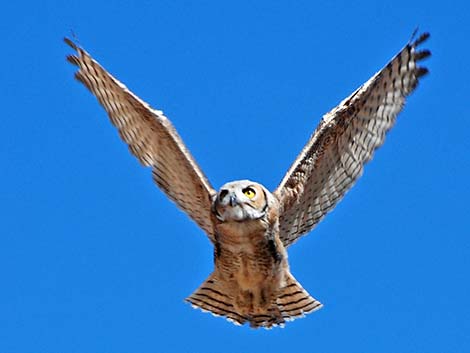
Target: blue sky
(94,258)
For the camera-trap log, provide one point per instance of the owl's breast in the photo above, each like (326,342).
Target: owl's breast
(247,237)
(249,255)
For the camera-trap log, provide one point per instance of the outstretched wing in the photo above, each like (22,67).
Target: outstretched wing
(151,138)
(346,138)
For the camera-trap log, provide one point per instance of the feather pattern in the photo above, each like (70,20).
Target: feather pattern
(250,227)
(346,138)
(151,138)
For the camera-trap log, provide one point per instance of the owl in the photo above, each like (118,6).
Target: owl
(249,226)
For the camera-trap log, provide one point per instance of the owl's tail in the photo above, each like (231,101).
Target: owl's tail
(291,302)
(211,296)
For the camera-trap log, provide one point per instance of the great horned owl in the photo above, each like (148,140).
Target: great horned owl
(249,226)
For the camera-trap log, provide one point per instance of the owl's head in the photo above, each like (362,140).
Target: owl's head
(242,200)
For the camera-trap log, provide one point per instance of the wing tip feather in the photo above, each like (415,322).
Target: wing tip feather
(73,59)
(422,54)
(70,43)
(422,71)
(422,38)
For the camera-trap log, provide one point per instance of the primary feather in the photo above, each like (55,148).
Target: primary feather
(151,138)
(250,227)
(345,140)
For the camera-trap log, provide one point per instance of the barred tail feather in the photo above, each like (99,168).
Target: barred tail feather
(291,302)
(294,301)
(210,297)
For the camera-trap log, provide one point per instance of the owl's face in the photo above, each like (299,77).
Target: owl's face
(241,200)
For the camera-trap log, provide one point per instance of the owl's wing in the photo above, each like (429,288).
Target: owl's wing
(346,138)
(151,138)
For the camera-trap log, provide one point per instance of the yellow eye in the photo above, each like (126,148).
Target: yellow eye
(249,192)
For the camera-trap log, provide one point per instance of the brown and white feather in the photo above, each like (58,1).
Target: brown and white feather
(250,227)
(151,138)
(346,138)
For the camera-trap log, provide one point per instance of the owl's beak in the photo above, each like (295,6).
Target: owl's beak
(233,199)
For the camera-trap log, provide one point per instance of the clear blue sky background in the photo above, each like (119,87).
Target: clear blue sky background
(94,258)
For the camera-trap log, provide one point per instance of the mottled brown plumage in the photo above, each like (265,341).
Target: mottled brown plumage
(251,267)
(344,141)
(250,227)
(151,138)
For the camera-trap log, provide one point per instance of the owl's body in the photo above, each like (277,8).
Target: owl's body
(251,281)
(250,227)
